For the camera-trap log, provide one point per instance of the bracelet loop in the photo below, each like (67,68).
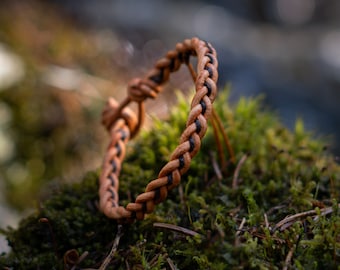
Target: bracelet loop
(123,124)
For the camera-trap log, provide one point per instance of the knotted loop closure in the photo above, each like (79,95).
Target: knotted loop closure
(122,124)
(112,112)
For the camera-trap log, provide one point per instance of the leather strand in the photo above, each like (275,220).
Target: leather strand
(123,124)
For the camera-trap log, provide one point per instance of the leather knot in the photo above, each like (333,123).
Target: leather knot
(140,89)
(113,111)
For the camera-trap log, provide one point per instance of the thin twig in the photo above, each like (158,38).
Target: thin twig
(171,264)
(293,218)
(237,239)
(80,259)
(175,228)
(120,233)
(155,259)
(241,226)
(216,167)
(237,171)
(127,265)
(289,256)
(266,220)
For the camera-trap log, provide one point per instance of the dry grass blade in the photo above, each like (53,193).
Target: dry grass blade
(175,228)
(237,170)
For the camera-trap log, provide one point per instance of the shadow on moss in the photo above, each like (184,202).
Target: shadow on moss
(237,211)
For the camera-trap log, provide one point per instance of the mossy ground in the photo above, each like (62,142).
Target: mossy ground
(234,207)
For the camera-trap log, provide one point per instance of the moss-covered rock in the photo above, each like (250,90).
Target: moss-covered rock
(235,211)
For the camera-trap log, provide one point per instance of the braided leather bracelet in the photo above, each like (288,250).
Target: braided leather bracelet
(123,124)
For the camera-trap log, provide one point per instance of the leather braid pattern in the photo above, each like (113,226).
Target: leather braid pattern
(122,124)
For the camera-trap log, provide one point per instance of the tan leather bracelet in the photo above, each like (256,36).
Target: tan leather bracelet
(122,124)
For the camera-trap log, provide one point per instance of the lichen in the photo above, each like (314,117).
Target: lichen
(237,209)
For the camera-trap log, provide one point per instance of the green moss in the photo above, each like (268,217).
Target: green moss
(236,216)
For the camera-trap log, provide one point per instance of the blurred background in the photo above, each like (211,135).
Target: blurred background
(60,60)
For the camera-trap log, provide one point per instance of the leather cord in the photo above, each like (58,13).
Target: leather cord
(123,124)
